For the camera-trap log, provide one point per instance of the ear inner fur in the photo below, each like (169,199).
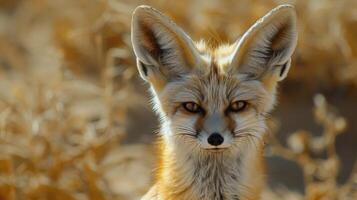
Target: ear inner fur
(160,43)
(258,54)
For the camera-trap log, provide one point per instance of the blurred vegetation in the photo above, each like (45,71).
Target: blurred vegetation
(68,81)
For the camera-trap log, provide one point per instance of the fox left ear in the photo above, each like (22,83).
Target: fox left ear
(164,51)
(265,50)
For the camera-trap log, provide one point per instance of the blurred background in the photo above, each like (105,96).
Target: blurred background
(75,117)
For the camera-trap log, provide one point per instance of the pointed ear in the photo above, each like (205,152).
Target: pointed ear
(164,52)
(265,50)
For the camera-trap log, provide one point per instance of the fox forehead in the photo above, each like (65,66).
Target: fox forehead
(221,55)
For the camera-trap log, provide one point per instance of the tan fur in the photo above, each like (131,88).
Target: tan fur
(179,71)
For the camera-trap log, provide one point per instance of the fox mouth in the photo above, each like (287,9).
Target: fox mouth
(216,149)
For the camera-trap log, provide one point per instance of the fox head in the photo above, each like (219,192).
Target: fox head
(213,100)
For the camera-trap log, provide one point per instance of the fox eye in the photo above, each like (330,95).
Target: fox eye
(237,106)
(192,107)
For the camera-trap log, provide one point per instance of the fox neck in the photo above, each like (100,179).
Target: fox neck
(183,174)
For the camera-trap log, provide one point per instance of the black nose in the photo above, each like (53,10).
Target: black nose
(215,139)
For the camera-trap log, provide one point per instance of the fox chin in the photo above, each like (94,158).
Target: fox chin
(212,103)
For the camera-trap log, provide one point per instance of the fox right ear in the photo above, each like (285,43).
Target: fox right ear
(265,49)
(164,52)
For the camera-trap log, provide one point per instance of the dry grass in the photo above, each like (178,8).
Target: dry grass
(68,79)
(320,174)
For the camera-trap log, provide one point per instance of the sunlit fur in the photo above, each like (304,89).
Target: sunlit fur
(189,168)
(186,171)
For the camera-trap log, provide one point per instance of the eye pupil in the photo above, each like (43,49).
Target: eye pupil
(192,107)
(237,106)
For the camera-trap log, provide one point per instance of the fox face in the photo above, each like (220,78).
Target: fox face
(213,99)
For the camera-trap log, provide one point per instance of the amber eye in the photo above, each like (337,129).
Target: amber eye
(192,107)
(237,106)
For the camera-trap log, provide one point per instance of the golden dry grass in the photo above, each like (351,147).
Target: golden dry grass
(68,80)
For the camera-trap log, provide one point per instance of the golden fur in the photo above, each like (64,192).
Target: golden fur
(180,71)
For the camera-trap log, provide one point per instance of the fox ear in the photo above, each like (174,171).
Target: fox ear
(164,52)
(266,48)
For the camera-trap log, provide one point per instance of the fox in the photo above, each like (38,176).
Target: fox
(212,103)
